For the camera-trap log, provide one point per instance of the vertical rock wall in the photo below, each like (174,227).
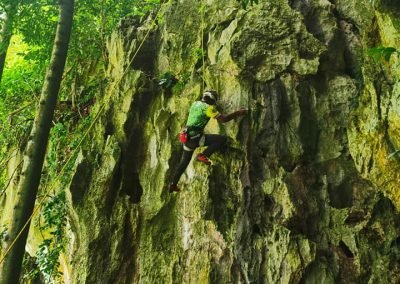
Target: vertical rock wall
(306,191)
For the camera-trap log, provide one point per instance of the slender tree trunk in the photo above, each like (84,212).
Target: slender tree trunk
(6,33)
(36,148)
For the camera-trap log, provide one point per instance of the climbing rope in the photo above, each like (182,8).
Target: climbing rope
(153,23)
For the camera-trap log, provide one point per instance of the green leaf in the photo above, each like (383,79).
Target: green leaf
(379,53)
(245,3)
(387,52)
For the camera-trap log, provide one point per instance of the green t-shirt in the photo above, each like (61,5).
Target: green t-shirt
(199,115)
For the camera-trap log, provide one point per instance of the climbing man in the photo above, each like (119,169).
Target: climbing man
(192,136)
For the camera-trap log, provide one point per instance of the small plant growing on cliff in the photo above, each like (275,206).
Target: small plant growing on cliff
(382,55)
(198,55)
(380,52)
(168,80)
(244,3)
(183,80)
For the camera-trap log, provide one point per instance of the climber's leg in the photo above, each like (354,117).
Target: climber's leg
(188,150)
(185,160)
(215,143)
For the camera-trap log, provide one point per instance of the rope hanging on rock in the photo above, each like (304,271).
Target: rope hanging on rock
(80,142)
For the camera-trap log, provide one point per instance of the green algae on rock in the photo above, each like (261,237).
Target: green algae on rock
(306,191)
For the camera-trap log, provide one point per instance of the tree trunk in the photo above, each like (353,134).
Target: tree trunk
(6,33)
(36,147)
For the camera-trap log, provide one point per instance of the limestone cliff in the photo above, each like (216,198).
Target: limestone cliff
(306,192)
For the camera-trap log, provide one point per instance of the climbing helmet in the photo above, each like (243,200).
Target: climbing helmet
(210,95)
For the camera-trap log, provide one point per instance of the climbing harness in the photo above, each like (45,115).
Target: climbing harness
(186,135)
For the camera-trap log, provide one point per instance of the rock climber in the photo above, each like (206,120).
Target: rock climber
(192,136)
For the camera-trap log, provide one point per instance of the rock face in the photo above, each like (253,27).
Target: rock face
(306,192)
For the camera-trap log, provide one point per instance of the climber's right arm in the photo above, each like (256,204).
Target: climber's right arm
(222,118)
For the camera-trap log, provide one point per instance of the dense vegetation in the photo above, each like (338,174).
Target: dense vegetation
(27,32)
(28,56)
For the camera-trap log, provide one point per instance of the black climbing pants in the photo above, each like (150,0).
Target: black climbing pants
(213,141)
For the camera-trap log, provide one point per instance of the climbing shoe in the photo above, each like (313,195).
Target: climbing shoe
(173,188)
(202,158)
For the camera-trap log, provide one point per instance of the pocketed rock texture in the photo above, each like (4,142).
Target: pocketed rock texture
(307,190)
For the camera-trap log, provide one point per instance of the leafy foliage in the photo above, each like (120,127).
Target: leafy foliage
(19,90)
(167,80)
(245,3)
(95,20)
(48,254)
(382,53)
(35,25)
(183,80)
(36,21)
